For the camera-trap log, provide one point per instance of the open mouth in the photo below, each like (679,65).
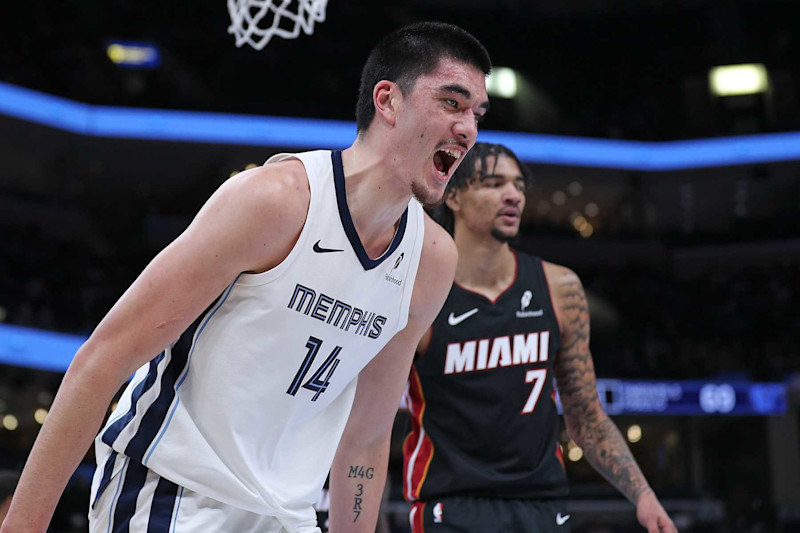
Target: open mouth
(443,160)
(510,215)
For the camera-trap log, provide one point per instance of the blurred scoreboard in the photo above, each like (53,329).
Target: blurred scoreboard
(740,398)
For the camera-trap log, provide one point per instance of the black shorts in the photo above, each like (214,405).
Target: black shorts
(484,515)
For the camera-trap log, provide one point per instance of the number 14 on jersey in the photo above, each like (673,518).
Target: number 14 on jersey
(316,383)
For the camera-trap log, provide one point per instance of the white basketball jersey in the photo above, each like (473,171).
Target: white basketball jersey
(249,405)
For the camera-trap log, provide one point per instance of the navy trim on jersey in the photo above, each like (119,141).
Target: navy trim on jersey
(162,507)
(135,477)
(108,469)
(347,221)
(173,377)
(113,431)
(157,412)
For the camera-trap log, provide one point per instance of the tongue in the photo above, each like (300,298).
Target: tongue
(438,162)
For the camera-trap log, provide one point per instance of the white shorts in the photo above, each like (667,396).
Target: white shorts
(135,499)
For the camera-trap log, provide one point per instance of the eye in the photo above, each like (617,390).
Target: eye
(451,103)
(478,118)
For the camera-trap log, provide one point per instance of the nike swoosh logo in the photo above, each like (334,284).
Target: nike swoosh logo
(454,320)
(320,250)
(560,520)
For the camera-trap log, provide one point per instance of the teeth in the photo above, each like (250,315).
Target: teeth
(451,153)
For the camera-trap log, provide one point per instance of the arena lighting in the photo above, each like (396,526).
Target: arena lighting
(36,348)
(502,82)
(133,55)
(39,415)
(165,125)
(10,422)
(731,80)
(634,433)
(575,454)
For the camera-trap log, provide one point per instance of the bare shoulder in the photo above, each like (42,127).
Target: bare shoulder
(258,213)
(560,279)
(439,254)
(282,186)
(437,267)
(569,299)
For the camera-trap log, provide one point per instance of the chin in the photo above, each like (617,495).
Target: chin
(508,236)
(428,197)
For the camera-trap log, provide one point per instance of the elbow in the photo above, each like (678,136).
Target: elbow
(93,366)
(584,422)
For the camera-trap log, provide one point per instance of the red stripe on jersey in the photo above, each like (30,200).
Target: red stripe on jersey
(559,451)
(417,517)
(418,447)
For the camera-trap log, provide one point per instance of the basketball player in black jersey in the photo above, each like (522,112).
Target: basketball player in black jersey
(483,454)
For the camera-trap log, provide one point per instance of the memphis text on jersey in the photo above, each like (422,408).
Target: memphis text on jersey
(487,354)
(336,312)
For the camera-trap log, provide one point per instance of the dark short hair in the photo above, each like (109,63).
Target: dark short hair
(8,483)
(413,51)
(467,173)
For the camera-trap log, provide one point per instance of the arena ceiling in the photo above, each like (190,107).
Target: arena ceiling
(632,69)
(620,69)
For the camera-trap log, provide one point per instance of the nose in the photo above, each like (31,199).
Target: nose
(512,195)
(466,127)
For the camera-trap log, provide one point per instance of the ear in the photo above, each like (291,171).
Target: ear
(386,101)
(453,200)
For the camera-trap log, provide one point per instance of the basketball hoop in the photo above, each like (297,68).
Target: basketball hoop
(255,21)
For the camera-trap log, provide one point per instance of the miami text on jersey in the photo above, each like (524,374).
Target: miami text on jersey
(336,312)
(486,354)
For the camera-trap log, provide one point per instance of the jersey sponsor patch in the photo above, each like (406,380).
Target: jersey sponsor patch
(390,275)
(487,354)
(524,303)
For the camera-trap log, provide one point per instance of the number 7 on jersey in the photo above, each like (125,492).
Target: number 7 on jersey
(536,377)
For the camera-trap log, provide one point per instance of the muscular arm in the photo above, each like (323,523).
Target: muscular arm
(250,223)
(586,420)
(358,474)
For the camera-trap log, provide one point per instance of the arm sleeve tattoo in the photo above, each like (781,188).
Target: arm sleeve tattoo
(586,421)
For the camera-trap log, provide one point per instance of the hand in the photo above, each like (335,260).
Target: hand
(652,515)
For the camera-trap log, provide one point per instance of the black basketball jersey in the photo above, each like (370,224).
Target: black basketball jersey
(483,415)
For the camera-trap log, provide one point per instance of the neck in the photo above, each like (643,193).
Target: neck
(377,194)
(485,265)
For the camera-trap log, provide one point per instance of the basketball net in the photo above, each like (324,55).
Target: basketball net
(255,21)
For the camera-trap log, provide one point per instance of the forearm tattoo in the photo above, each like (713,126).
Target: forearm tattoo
(359,472)
(607,452)
(593,431)
(357,501)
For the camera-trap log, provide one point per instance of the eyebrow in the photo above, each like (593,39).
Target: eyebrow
(460,89)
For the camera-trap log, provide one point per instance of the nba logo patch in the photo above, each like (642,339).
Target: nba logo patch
(437,513)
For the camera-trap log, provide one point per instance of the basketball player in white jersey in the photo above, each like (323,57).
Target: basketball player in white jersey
(273,337)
